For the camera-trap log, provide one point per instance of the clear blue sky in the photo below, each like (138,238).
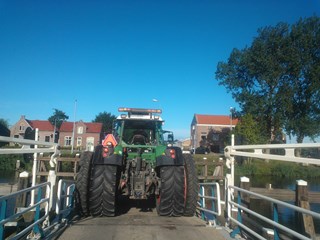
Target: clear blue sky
(107,54)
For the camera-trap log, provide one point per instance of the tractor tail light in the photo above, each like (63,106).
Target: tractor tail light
(172,153)
(105,152)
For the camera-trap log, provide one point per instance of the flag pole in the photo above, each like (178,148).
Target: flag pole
(74,125)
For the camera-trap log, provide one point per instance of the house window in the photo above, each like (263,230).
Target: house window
(21,128)
(47,138)
(79,141)
(67,141)
(80,130)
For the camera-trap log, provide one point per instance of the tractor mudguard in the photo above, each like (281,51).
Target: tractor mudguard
(114,159)
(166,160)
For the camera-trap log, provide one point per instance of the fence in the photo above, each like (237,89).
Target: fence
(285,152)
(40,202)
(209,205)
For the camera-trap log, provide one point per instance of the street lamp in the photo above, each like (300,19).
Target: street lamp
(158,102)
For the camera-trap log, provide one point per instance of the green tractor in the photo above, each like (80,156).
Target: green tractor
(136,161)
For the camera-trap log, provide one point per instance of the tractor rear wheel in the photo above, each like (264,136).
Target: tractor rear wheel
(103,190)
(82,183)
(191,186)
(170,201)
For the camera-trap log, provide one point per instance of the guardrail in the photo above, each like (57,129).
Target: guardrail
(213,205)
(58,204)
(288,153)
(39,147)
(65,197)
(40,225)
(41,203)
(243,210)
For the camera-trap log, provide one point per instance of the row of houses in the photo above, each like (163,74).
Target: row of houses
(86,134)
(207,131)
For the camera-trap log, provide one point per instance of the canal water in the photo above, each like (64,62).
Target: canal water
(7,177)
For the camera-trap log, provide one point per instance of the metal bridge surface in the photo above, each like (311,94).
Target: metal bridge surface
(137,224)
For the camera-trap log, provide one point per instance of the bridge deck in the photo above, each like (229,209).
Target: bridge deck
(136,225)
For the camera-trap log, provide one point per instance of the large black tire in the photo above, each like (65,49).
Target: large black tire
(82,183)
(103,190)
(192,186)
(170,201)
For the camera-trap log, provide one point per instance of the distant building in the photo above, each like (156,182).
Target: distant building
(25,128)
(186,143)
(214,126)
(86,135)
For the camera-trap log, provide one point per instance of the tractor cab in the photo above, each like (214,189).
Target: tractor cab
(139,127)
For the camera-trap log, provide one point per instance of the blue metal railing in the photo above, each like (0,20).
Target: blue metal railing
(41,225)
(42,203)
(65,201)
(214,209)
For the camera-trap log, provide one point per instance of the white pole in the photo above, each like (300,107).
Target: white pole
(54,130)
(74,125)
(232,162)
(34,167)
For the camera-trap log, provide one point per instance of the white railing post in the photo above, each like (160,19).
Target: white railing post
(34,168)
(52,177)
(228,197)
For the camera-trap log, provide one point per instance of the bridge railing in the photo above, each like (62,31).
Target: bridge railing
(209,201)
(42,203)
(38,147)
(40,225)
(276,227)
(285,152)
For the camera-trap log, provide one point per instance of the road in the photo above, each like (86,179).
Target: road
(139,225)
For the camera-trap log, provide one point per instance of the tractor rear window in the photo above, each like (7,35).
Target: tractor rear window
(139,132)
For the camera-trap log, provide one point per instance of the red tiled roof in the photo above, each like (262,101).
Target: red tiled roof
(66,127)
(41,125)
(215,119)
(91,127)
(94,127)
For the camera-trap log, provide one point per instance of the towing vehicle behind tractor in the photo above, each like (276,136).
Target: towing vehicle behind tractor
(136,161)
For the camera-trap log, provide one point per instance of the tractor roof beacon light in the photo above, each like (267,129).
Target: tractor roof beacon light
(140,110)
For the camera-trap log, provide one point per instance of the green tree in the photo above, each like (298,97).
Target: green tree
(4,122)
(304,110)
(107,120)
(58,117)
(247,131)
(269,79)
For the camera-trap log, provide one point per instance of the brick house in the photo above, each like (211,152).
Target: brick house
(24,128)
(86,135)
(214,126)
